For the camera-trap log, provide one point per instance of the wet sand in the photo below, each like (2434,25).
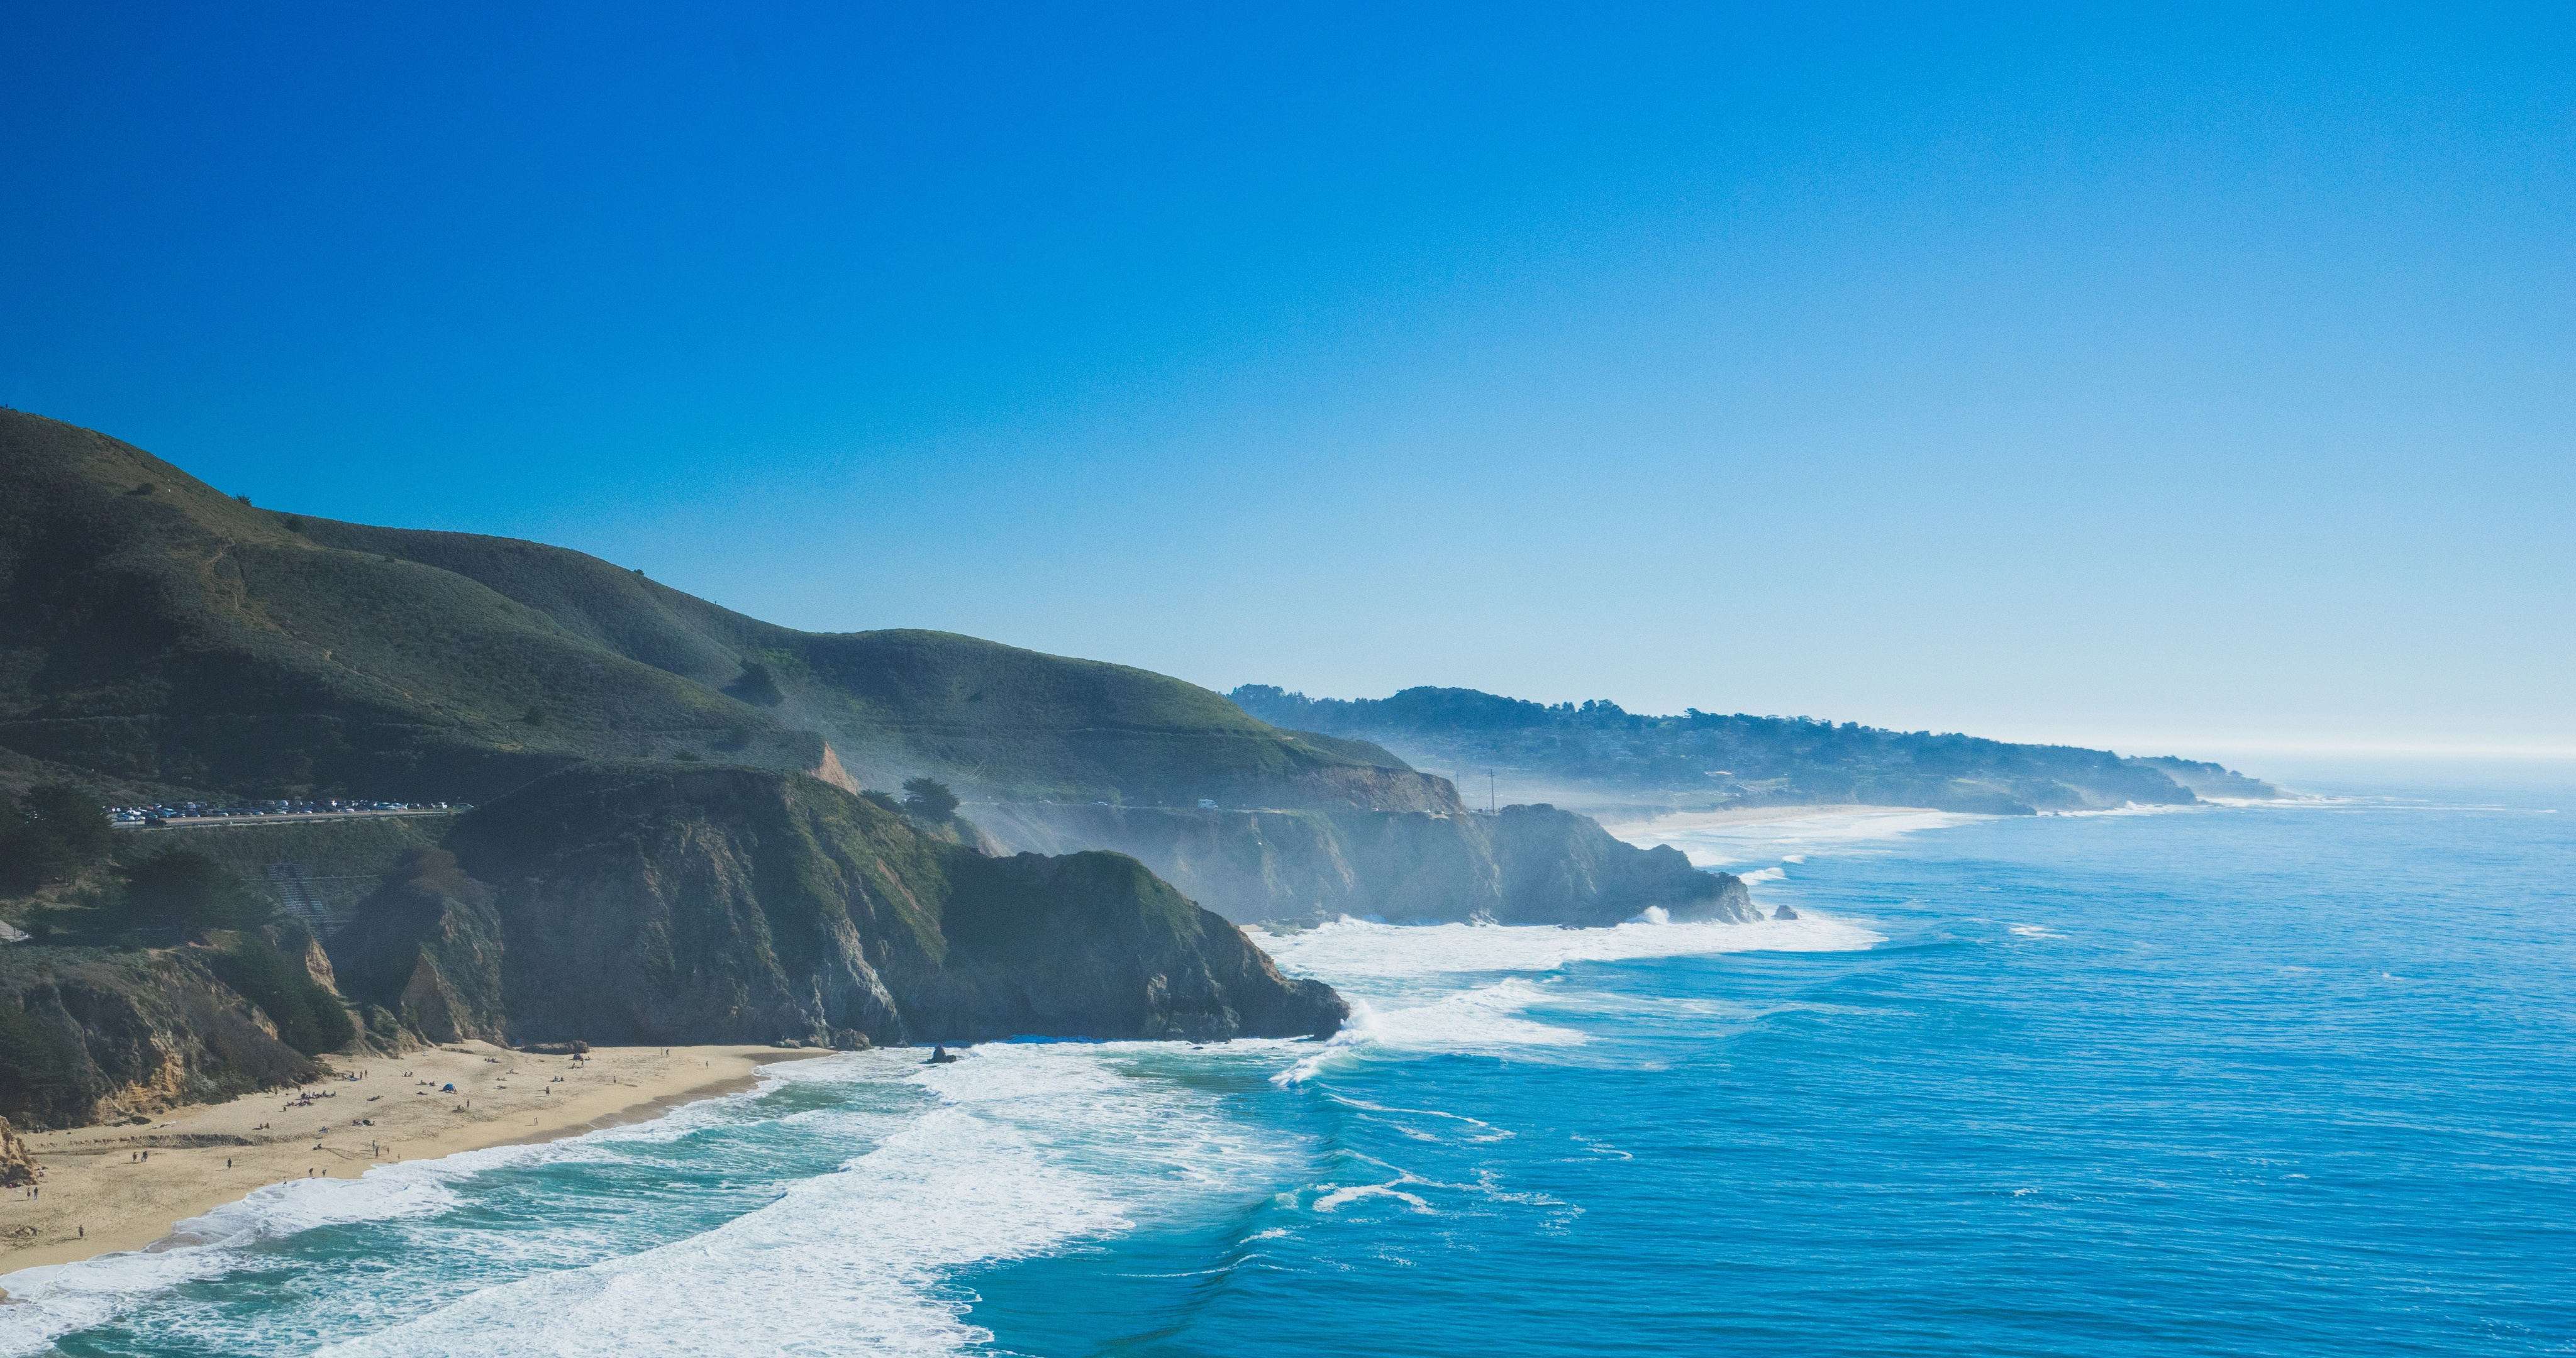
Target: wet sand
(94,1177)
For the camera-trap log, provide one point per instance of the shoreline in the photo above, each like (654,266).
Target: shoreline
(380,1110)
(1756,815)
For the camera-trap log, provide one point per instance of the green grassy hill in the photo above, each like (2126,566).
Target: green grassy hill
(158,635)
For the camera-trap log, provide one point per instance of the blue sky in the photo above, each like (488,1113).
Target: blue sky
(2177,380)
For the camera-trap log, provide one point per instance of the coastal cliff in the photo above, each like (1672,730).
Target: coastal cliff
(93,1035)
(643,904)
(1527,865)
(425,952)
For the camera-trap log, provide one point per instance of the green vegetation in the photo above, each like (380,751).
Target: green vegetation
(1705,758)
(929,799)
(179,893)
(309,1018)
(184,640)
(642,902)
(342,861)
(50,835)
(39,1067)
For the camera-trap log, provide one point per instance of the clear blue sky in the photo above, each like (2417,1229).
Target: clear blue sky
(2163,379)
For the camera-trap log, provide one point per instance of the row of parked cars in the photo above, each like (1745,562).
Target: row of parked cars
(183,811)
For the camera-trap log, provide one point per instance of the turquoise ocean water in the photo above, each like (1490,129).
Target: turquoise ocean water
(2272,1079)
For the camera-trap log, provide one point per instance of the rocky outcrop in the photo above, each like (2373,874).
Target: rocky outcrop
(643,904)
(89,1035)
(2206,779)
(1094,945)
(296,943)
(426,947)
(1528,865)
(1557,867)
(17,1163)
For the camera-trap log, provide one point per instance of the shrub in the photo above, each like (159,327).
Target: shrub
(50,836)
(309,1018)
(757,686)
(183,892)
(929,799)
(40,1069)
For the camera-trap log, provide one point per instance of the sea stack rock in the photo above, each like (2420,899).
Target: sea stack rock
(1784,912)
(17,1165)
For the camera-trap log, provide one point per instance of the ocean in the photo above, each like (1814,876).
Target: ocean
(2283,1078)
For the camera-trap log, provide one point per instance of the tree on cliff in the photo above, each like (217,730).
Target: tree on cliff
(929,799)
(50,835)
(183,892)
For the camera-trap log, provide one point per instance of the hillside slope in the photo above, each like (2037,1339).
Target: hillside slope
(157,634)
(1597,754)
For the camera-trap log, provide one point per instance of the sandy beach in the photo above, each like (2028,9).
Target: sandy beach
(1752,815)
(375,1110)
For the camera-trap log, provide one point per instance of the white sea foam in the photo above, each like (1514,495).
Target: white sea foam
(1786,840)
(1028,1147)
(1356,950)
(1409,988)
(1023,1148)
(60,1298)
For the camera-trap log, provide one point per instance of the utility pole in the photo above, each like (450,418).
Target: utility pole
(1489,793)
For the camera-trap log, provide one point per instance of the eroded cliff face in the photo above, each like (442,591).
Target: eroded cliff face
(643,904)
(88,1035)
(1094,945)
(17,1163)
(1528,865)
(425,948)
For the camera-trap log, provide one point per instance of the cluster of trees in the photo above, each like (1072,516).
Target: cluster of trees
(179,894)
(173,896)
(926,799)
(50,835)
(57,832)
(929,799)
